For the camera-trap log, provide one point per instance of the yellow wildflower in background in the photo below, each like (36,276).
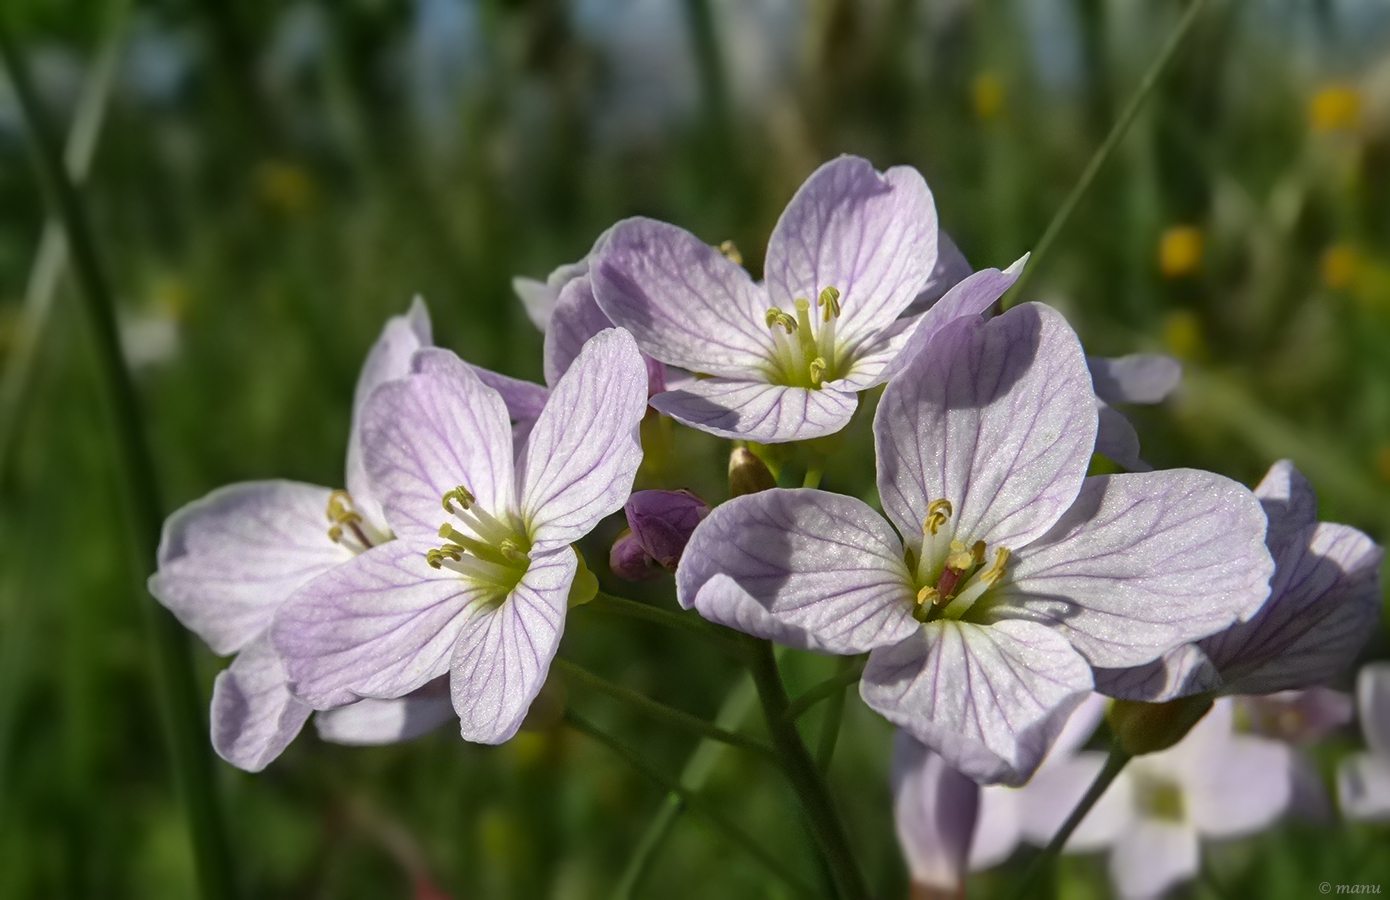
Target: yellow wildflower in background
(1180,251)
(1339,266)
(284,187)
(1182,335)
(1336,107)
(987,95)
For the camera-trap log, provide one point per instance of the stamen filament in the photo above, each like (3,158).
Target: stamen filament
(806,330)
(472,545)
(477,569)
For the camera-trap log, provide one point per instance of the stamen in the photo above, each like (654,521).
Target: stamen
(995,572)
(335,533)
(512,551)
(938,512)
(928,596)
(462,494)
(730,251)
(829,302)
(775,316)
(339,504)
(978,585)
(818,369)
(977,552)
(960,558)
(806,332)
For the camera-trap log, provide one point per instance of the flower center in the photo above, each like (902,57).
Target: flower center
(487,552)
(1159,798)
(349,528)
(804,353)
(951,575)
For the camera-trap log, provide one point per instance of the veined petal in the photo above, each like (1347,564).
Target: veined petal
(998,418)
(576,318)
(1152,856)
(1373,706)
(429,433)
(388,360)
(991,699)
(578,463)
(381,625)
(254,715)
(723,601)
(1137,378)
(934,808)
(227,561)
(1181,672)
(1288,500)
(871,236)
(951,269)
(684,302)
(873,358)
(821,563)
(1144,562)
(757,411)
(1117,440)
(524,399)
(503,652)
(369,723)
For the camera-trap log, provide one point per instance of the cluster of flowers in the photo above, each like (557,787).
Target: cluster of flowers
(997,591)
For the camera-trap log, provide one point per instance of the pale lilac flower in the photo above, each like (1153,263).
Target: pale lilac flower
(1298,718)
(1363,780)
(786,358)
(228,561)
(482,596)
(1014,572)
(1214,783)
(1323,599)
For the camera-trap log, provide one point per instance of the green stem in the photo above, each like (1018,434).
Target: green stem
(827,688)
(1114,764)
(684,621)
(801,771)
(830,725)
(695,801)
(813,474)
(670,715)
(175,679)
(1112,140)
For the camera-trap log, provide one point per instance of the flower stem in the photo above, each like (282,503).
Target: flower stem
(801,771)
(827,688)
(175,680)
(697,803)
(1112,140)
(1114,764)
(688,622)
(830,725)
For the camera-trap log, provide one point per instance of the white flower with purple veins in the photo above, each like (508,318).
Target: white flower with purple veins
(477,582)
(1323,600)
(228,561)
(1014,572)
(786,358)
(1363,780)
(1214,783)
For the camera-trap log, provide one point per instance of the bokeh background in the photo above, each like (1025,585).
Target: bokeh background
(269,181)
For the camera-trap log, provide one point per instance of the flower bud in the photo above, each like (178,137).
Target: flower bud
(1149,727)
(748,474)
(628,560)
(662,522)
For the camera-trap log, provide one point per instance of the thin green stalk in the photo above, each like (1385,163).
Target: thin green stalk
(813,474)
(830,725)
(174,675)
(697,803)
(1112,140)
(816,693)
(687,622)
(1114,764)
(670,715)
(801,771)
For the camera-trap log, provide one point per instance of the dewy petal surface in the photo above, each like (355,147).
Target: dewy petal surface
(872,236)
(1289,502)
(370,723)
(578,464)
(380,625)
(822,563)
(935,809)
(227,561)
(1137,378)
(990,699)
(576,318)
(757,411)
(997,418)
(254,715)
(504,652)
(1144,562)
(684,302)
(424,435)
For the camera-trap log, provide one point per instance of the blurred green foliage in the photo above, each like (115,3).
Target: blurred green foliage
(271,184)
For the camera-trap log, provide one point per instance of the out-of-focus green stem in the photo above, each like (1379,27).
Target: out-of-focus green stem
(174,675)
(688,622)
(816,693)
(1107,147)
(834,712)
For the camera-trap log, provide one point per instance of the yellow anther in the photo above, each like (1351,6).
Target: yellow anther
(437,556)
(829,304)
(339,505)
(960,558)
(512,551)
(977,552)
(776,317)
(818,370)
(335,533)
(730,251)
(928,596)
(462,494)
(942,505)
(995,572)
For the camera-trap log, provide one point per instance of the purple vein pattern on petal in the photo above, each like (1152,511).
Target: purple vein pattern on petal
(388,360)
(1182,671)
(227,561)
(1137,378)
(430,432)
(935,810)
(524,399)
(370,723)
(578,464)
(1289,502)
(871,236)
(997,418)
(755,411)
(951,269)
(379,626)
(1144,562)
(504,652)
(991,699)
(819,562)
(686,304)
(577,318)
(254,715)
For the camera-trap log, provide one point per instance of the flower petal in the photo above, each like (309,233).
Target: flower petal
(381,625)
(934,808)
(428,433)
(1373,705)
(1117,440)
(1241,789)
(823,563)
(951,269)
(227,561)
(388,360)
(684,302)
(991,699)
(1363,787)
(1144,562)
(504,652)
(576,318)
(254,715)
(524,399)
(1289,502)
(754,411)
(1047,802)
(1137,378)
(998,418)
(997,828)
(1153,856)
(370,723)
(871,236)
(537,298)
(724,601)
(1181,672)
(578,463)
